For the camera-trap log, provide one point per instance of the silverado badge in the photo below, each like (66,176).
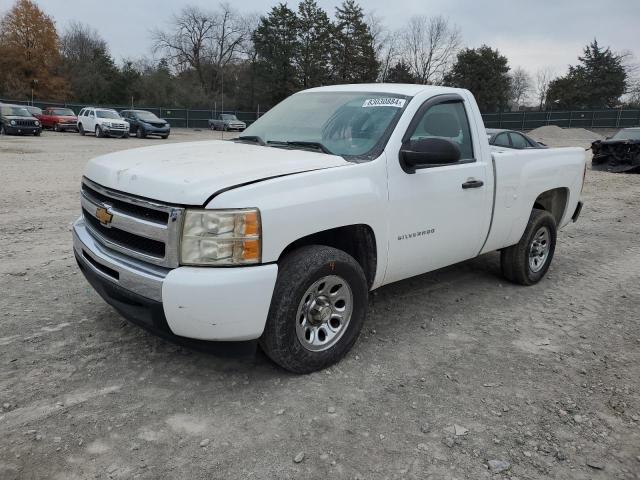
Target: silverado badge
(104,216)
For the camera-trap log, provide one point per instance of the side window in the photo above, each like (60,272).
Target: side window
(81,114)
(91,114)
(519,141)
(449,121)
(502,140)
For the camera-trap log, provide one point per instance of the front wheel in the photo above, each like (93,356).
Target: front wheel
(99,132)
(81,129)
(317,310)
(56,127)
(2,130)
(140,133)
(164,137)
(528,261)
(36,133)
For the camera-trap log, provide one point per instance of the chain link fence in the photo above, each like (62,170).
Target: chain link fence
(613,118)
(177,117)
(525,120)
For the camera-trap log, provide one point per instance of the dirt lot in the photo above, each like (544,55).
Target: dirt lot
(455,370)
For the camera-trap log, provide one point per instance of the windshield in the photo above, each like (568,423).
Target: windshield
(107,114)
(147,116)
(15,111)
(627,134)
(349,124)
(228,116)
(63,112)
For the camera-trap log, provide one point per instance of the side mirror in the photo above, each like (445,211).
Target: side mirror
(428,152)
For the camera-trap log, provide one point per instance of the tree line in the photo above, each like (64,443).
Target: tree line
(223,59)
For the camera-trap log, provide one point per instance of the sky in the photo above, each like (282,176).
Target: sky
(532,34)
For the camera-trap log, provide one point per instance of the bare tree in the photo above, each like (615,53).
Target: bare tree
(79,42)
(429,46)
(186,44)
(520,86)
(544,76)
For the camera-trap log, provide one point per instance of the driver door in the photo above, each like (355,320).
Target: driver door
(439,214)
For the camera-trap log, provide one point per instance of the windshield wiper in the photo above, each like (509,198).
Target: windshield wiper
(303,144)
(251,138)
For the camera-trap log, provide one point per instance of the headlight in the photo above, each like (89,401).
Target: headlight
(12,122)
(221,237)
(37,123)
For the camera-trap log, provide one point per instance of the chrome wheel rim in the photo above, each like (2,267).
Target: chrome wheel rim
(324,313)
(539,249)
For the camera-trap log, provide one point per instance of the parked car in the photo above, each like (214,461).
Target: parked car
(104,122)
(511,139)
(143,123)
(17,120)
(226,121)
(59,119)
(35,111)
(619,153)
(279,235)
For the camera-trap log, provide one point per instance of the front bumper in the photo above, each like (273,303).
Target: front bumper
(226,304)
(115,132)
(20,130)
(151,130)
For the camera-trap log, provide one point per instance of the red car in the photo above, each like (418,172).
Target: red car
(59,119)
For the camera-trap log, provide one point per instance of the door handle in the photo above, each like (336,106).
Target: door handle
(472,184)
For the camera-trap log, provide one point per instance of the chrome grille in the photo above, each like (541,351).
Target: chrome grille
(136,227)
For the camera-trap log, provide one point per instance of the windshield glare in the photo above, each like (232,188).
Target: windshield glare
(63,112)
(107,114)
(627,135)
(349,124)
(15,111)
(147,116)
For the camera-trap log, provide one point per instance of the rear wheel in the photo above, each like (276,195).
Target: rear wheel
(81,129)
(140,133)
(2,130)
(528,261)
(317,310)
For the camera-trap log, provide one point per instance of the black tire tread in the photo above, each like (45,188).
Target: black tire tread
(295,273)
(513,260)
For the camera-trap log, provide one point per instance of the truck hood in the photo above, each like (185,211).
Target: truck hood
(189,173)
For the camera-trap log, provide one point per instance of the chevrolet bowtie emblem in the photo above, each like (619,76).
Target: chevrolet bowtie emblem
(104,216)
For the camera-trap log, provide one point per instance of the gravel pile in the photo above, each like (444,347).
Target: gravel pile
(554,136)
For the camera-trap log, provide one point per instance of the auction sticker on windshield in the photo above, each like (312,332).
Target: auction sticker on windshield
(384,102)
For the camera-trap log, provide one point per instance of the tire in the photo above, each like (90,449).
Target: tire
(37,133)
(527,262)
(293,336)
(125,135)
(81,129)
(56,127)
(140,133)
(99,132)
(164,137)
(2,130)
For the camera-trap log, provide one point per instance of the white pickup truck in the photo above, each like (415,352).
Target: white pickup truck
(279,235)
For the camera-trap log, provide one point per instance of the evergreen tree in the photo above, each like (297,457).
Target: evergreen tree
(597,82)
(400,73)
(354,57)
(315,36)
(485,73)
(276,43)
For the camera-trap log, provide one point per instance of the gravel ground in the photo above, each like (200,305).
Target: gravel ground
(458,374)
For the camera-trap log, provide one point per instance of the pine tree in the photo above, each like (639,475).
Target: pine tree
(314,37)
(276,43)
(400,73)
(598,82)
(354,58)
(485,73)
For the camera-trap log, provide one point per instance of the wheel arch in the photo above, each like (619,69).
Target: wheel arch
(554,201)
(358,240)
